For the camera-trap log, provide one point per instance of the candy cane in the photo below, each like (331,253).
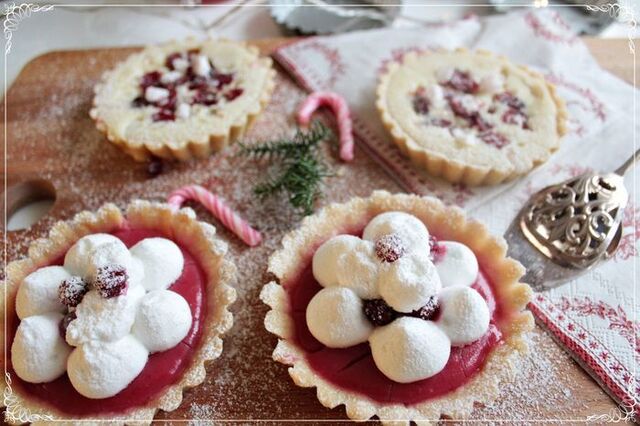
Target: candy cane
(341,111)
(230,219)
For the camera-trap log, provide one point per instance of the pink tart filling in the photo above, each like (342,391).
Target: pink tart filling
(163,369)
(353,368)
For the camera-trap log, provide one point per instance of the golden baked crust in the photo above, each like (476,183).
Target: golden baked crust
(197,136)
(181,226)
(451,222)
(469,170)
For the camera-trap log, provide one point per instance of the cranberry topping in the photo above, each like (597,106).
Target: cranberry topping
(64,324)
(462,82)
(473,117)
(72,290)
(420,103)
(494,138)
(378,312)
(111,281)
(155,167)
(436,250)
(440,122)
(233,94)
(515,113)
(390,248)
(207,90)
(428,311)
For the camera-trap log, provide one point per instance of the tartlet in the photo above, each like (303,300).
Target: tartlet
(341,335)
(113,315)
(184,99)
(470,117)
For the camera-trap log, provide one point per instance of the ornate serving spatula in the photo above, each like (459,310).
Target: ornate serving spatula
(568,228)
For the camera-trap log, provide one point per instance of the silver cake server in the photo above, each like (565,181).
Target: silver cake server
(566,229)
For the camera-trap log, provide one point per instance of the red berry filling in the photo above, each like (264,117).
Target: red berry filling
(111,281)
(71,291)
(390,248)
(204,90)
(436,250)
(462,82)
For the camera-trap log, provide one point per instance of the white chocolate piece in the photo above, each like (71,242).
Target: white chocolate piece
(335,317)
(155,94)
(201,66)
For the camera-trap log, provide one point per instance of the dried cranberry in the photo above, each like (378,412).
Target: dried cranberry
(440,122)
(480,123)
(463,82)
(111,281)
(420,104)
(64,324)
(222,79)
(150,79)
(198,82)
(494,138)
(205,97)
(155,167)
(172,57)
(390,248)
(378,312)
(509,99)
(164,114)
(515,117)
(139,102)
(458,107)
(428,311)
(436,250)
(72,290)
(233,94)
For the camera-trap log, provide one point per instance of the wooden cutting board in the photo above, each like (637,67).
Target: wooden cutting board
(53,149)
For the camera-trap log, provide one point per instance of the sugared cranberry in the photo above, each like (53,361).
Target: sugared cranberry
(111,281)
(64,324)
(169,61)
(155,167)
(222,79)
(164,114)
(390,248)
(428,311)
(463,82)
(233,94)
(494,138)
(150,79)
(436,250)
(378,312)
(420,104)
(72,290)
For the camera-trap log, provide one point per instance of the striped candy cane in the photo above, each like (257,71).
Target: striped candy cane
(341,111)
(230,219)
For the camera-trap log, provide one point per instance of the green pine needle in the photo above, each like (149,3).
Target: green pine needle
(302,171)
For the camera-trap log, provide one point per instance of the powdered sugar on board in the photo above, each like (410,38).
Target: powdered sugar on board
(51,137)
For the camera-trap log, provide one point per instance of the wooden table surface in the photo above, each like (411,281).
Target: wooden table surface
(53,148)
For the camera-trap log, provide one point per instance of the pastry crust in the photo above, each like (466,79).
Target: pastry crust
(468,170)
(451,222)
(181,226)
(204,132)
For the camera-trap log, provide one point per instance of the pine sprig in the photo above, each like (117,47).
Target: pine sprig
(302,171)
